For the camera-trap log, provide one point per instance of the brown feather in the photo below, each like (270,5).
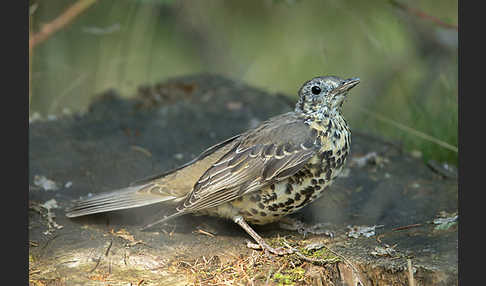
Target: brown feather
(255,162)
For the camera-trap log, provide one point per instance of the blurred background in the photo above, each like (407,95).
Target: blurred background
(405,52)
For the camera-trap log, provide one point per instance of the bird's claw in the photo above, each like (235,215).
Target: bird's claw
(268,249)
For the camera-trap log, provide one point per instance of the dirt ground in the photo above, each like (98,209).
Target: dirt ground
(390,219)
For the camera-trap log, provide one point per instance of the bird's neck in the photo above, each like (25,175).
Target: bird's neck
(329,122)
(319,114)
(333,130)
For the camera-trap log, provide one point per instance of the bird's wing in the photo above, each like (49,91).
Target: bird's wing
(180,181)
(270,153)
(125,198)
(208,152)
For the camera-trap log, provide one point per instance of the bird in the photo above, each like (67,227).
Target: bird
(256,177)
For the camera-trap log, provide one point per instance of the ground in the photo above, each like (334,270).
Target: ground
(390,219)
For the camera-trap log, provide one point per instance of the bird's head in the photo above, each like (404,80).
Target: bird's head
(324,95)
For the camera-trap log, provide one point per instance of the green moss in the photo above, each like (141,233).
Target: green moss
(322,254)
(290,276)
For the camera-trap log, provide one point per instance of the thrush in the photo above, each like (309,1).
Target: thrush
(256,177)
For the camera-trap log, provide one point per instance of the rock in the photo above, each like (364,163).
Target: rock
(118,141)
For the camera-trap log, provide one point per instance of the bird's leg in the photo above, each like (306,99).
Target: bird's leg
(267,248)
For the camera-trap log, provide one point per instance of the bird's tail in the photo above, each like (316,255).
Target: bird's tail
(125,198)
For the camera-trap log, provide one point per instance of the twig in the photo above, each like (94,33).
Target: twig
(96,266)
(50,28)
(108,248)
(407,226)
(411,281)
(204,232)
(424,15)
(142,150)
(100,257)
(268,277)
(49,241)
(64,19)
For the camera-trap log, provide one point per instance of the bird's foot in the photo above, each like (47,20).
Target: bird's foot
(296,225)
(288,223)
(268,249)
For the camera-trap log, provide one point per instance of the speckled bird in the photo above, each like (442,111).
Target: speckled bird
(258,176)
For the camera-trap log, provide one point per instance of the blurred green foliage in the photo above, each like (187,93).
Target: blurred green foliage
(408,63)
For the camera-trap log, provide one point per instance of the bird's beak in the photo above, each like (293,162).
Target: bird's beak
(346,85)
(349,84)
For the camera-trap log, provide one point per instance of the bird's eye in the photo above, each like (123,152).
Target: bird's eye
(316,90)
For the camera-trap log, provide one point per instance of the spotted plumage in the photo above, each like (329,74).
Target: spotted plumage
(258,176)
